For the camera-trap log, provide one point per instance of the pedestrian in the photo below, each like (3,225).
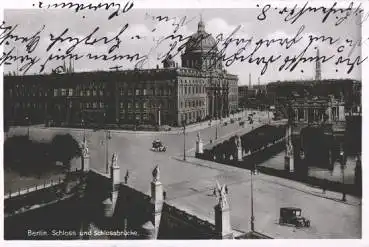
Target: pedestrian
(214,192)
(164,195)
(226,189)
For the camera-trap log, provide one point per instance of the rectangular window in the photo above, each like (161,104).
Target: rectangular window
(55,92)
(121,105)
(88,92)
(101,104)
(94,105)
(137,105)
(101,92)
(94,92)
(129,92)
(129,106)
(144,92)
(121,91)
(137,92)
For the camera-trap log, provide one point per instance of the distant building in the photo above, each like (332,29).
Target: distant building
(200,89)
(347,89)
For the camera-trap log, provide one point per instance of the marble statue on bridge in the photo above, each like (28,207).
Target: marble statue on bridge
(222,195)
(114,160)
(84,148)
(156,173)
(198,137)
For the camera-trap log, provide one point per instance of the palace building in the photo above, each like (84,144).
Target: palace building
(200,89)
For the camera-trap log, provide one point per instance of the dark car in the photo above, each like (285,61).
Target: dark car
(158,146)
(292,216)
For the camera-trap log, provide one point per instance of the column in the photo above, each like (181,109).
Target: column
(213,105)
(305,115)
(199,145)
(156,200)
(329,113)
(159,117)
(296,114)
(114,177)
(85,158)
(239,148)
(222,216)
(289,157)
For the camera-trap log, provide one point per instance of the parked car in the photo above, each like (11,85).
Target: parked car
(292,216)
(158,146)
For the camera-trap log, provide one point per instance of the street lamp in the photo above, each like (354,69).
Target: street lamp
(107,138)
(343,166)
(184,139)
(84,129)
(27,122)
(253,171)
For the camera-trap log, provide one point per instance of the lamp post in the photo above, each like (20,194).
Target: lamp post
(27,121)
(184,139)
(84,129)
(343,166)
(216,128)
(107,138)
(252,218)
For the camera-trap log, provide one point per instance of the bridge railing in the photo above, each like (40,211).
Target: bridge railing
(46,184)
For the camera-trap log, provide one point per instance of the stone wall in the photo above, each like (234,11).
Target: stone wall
(257,146)
(179,224)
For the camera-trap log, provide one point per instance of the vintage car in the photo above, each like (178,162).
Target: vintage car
(158,146)
(292,216)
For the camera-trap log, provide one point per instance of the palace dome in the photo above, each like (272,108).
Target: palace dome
(201,40)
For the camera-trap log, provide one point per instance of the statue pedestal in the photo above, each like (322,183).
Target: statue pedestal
(289,163)
(199,147)
(239,154)
(157,205)
(222,222)
(86,163)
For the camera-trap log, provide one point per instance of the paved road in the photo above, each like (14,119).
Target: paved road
(189,184)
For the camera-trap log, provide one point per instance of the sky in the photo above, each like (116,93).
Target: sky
(217,21)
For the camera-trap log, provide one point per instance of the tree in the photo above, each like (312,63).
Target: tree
(64,148)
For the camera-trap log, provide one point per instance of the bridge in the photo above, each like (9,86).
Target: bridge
(189,204)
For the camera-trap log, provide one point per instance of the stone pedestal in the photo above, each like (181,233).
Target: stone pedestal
(239,154)
(289,163)
(157,204)
(223,222)
(199,147)
(108,207)
(85,159)
(115,177)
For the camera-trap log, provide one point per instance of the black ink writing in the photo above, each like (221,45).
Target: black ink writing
(80,7)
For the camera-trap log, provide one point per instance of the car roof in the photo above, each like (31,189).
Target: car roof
(290,208)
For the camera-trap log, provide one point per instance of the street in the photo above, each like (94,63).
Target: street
(189,184)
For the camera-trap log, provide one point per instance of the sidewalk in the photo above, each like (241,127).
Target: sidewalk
(233,175)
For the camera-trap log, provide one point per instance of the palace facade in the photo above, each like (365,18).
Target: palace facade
(200,89)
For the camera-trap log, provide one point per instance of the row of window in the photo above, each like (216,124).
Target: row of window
(26,92)
(130,116)
(152,91)
(193,103)
(193,116)
(207,63)
(184,90)
(29,105)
